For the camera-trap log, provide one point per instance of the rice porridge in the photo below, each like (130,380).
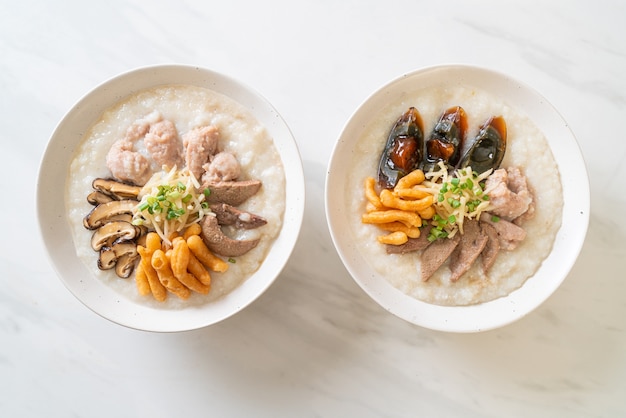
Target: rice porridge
(187,107)
(527,148)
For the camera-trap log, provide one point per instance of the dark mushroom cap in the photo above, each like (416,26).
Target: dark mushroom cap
(101,213)
(116,189)
(97,198)
(107,234)
(107,258)
(125,265)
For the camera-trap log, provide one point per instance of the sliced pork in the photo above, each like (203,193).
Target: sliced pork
(200,144)
(126,164)
(163,144)
(509,234)
(509,196)
(222,167)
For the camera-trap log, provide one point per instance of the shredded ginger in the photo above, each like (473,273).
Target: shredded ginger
(170,202)
(459,195)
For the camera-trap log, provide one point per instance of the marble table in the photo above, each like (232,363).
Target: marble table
(314,344)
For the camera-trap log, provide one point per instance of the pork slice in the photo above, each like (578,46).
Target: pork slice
(230,215)
(472,243)
(413,244)
(233,193)
(163,144)
(222,167)
(526,216)
(200,144)
(509,234)
(491,250)
(126,164)
(436,254)
(509,196)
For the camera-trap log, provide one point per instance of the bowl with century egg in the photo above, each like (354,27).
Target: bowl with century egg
(457,198)
(170,197)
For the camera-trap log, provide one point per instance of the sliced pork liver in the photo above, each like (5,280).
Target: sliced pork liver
(230,215)
(413,244)
(436,254)
(472,243)
(233,193)
(219,243)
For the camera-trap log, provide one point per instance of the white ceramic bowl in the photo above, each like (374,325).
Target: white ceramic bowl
(569,239)
(52,212)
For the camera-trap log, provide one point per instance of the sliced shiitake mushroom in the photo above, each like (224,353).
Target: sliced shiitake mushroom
(125,265)
(110,232)
(116,188)
(121,254)
(97,197)
(127,255)
(107,258)
(123,247)
(103,212)
(126,217)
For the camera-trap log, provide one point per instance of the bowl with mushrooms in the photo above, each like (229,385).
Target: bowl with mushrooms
(184,197)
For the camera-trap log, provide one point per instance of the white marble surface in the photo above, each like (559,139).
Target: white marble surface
(314,345)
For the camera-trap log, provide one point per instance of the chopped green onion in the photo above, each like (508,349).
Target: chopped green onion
(174,195)
(174,213)
(454,202)
(436,233)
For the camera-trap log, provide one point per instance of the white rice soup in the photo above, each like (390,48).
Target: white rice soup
(187,107)
(527,148)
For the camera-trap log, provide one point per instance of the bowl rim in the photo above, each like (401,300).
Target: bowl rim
(519,303)
(52,214)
